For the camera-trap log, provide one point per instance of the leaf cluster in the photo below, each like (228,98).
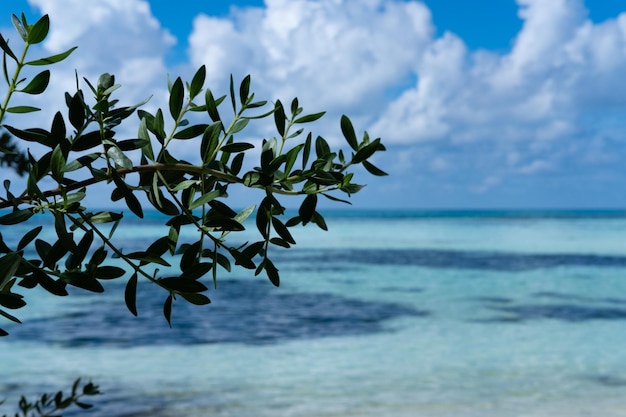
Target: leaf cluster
(50,405)
(82,148)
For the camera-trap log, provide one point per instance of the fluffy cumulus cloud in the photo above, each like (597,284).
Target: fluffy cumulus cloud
(560,69)
(333,54)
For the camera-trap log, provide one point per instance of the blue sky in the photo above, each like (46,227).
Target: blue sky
(484,104)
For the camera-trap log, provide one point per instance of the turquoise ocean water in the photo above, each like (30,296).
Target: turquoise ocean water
(398,314)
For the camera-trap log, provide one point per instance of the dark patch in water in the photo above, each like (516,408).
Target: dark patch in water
(564,312)
(482,260)
(402,290)
(493,300)
(243,311)
(570,297)
(607,380)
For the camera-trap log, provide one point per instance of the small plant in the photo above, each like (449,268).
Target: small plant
(49,405)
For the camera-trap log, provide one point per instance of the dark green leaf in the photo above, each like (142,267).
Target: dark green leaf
(31,135)
(222,261)
(5,68)
(130,294)
(196,271)
(319,221)
(158,126)
(143,135)
(205,198)
(167,309)
(180,284)
(307,151)
(223,209)
(310,117)
(237,163)
(109,272)
(366,151)
(55,287)
(38,84)
(43,248)
(66,238)
(272,272)
(162,204)
(244,90)
(106,217)
(17,216)
(76,259)
(133,204)
(57,133)
(177,96)
(282,230)
(190,255)
(197,299)
(290,158)
(372,169)
(38,32)
(3,247)
(232,93)
(197,82)
(98,256)
(339,200)
(307,208)
(191,132)
(321,147)
(262,219)
(11,301)
(295,109)
(131,144)
(348,132)
(22,109)
(53,58)
(57,164)
(211,106)
(8,266)
(242,258)
(10,317)
(76,111)
(5,47)
(237,147)
(279,117)
(82,280)
(239,126)
(280,242)
(56,252)
(83,405)
(29,237)
(87,141)
(210,141)
(294,221)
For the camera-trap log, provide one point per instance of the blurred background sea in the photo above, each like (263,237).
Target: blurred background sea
(390,313)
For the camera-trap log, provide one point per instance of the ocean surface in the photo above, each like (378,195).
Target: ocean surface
(388,314)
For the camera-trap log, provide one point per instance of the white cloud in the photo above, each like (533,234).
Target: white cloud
(560,67)
(331,54)
(120,37)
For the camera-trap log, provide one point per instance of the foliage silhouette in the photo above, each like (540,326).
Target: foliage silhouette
(81,148)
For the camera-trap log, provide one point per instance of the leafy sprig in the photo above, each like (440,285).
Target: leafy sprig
(82,148)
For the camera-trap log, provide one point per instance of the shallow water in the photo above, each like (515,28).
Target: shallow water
(388,314)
